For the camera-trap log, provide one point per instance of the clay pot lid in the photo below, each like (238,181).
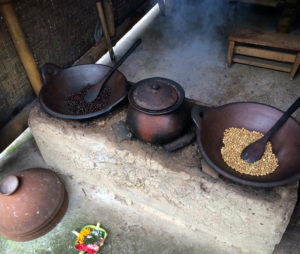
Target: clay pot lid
(156,96)
(34,206)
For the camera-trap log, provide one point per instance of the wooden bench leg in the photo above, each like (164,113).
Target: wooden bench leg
(295,66)
(230,52)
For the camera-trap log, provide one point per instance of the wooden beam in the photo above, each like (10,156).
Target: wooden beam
(230,53)
(265,53)
(295,67)
(266,38)
(261,63)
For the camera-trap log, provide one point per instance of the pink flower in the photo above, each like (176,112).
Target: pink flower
(92,248)
(81,246)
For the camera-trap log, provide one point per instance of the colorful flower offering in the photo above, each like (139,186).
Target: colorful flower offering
(90,239)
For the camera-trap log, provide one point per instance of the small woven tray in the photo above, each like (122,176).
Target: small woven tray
(92,227)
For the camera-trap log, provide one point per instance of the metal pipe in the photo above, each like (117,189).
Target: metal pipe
(21,45)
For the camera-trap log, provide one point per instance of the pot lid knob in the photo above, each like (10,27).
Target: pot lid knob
(155,86)
(9,185)
(154,94)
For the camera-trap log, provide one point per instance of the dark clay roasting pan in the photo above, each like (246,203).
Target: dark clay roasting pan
(211,123)
(59,84)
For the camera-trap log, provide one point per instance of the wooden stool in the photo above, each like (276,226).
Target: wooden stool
(265,49)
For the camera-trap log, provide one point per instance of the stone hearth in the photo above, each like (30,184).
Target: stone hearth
(168,185)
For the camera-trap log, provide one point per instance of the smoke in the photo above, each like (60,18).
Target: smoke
(205,16)
(196,26)
(204,26)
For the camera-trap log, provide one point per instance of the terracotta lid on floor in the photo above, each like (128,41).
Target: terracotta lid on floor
(36,205)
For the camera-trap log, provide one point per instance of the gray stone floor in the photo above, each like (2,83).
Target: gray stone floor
(189,45)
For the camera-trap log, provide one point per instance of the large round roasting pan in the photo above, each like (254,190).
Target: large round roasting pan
(211,123)
(60,83)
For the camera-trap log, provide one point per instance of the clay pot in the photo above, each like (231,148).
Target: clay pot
(31,203)
(156,112)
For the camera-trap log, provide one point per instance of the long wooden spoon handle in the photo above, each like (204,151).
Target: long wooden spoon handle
(93,92)
(122,59)
(284,117)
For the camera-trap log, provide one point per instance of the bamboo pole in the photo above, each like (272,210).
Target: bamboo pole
(21,45)
(107,5)
(105,30)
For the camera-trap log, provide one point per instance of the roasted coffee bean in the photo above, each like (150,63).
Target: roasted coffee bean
(78,106)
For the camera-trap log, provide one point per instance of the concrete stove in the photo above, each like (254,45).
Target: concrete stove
(169,186)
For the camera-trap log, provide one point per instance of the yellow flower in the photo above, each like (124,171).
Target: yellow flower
(83,233)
